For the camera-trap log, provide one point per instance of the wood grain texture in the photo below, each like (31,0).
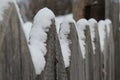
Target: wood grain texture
(97,56)
(15,59)
(112,12)
(76,61)
(49,71)
(61,73)
(89,55)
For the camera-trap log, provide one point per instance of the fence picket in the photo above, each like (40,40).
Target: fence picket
(97,56)
(89,55)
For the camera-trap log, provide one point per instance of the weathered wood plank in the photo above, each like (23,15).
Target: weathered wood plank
(89,55)
(76,69)
(97,56)
(15,62)
(106,56)
(61,73)
(112,12)
(49,71)
(111,52)
(77,61)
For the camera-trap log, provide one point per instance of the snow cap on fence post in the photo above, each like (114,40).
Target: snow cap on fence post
(38,37)
(64,41)
(108,25)
(4,4)
(102,33)
(92,24)
(81,27)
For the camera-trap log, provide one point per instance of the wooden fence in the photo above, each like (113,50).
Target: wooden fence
(112,12)
(16,62)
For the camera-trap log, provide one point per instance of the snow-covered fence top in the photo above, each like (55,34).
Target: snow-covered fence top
(94,48)
(38,38)
(85,52)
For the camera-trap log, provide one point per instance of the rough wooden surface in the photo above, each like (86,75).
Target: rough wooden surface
(89,56)
(61,73)
(49,71)
(97,57)
(15,59)
(111,54)
(112,12)
(76,60)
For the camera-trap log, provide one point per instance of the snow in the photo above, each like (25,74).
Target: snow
(27,28)
(92,24)
(38,37)
(64,41)
(4,4)
(60,19)
(81,26)
(102,33)
(108,25)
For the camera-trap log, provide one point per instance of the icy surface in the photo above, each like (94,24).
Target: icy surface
(102,33)
(4,4)
(64,41)
(81,26)
(38,37)
(92,24)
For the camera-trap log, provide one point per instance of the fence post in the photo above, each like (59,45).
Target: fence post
(60,66)
(97,56)
(77,61)
(76,69)
(112,12)
(49,71)
(111,53)
(15,59)
(89,55)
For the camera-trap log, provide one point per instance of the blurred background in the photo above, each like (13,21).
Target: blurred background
(79,8)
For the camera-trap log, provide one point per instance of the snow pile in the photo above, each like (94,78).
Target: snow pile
(4,4)
(81,27)
(60,19)
(108,25)
(102,33)
(38,37)
(27,28)
(92,24)
(64,41)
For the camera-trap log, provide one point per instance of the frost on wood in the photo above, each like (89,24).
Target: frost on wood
(81,27)
(38,37)
(102,33)
(60,19)
(27,28)
(108,25)
(64,41)
(4,4)
(92,24)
